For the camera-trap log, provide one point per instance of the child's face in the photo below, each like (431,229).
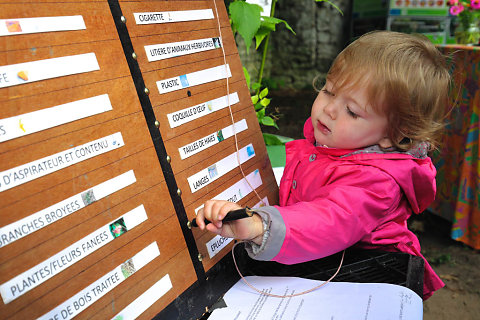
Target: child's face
(345,120)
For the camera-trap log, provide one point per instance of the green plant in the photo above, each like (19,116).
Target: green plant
(246,20)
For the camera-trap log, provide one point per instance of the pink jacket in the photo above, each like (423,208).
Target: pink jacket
(331,199)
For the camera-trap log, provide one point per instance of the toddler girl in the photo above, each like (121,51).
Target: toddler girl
(362,168)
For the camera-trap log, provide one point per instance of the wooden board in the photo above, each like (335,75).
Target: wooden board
(148,149)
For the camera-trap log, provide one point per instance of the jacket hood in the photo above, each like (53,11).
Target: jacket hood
(415,176)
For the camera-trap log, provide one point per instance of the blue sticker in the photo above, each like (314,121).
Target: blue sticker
(212,171)
(250,151)
(184,81)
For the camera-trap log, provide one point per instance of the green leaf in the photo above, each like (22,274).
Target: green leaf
(254,99)
(258,106)
(255,86)
(265,102)
(246,19)
(260,35)
(274,139)
(247,77)
(268,24)
(261,114)
(268,121)
(263,93)
(268,21)
(332,4)
(271,139)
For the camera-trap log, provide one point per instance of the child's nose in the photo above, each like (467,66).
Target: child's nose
(331,109)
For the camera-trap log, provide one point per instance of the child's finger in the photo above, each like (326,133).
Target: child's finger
(200,219)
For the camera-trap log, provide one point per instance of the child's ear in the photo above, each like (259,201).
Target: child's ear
(385,143)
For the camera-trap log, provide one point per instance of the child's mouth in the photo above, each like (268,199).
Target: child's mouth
(323,128)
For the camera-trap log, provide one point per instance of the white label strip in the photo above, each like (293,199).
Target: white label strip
(43,271)
(145,300)
(192,79)
(20,73)
(215,245)
(60,210)
(186,115)
(240,189)
(158,52)
(85,298)
(27,172)
(212,139)
(42,24)
(17,126)
(172,16)
(215,171)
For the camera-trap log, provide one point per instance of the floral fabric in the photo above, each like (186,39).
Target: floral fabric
(458,162)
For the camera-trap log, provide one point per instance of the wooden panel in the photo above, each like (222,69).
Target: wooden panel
(138,154)
(96,15)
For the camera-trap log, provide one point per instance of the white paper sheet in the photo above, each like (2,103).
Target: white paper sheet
(336,300)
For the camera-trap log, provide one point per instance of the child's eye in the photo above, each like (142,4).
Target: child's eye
(351,113)
(328,93)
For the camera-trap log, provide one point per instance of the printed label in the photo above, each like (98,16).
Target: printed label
(215,171)
(193,79)
(172,16)
(212,139)
(216,245)
(158,52)
(23,227)
(240,189)
(27,172)
(186,115)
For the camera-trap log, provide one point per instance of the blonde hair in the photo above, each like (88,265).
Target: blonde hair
(406,79)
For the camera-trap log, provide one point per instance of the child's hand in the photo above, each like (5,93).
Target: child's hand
(244,229)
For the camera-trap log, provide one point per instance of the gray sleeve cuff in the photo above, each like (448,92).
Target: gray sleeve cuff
(273,236)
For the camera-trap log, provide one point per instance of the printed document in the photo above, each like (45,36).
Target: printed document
(334,301)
